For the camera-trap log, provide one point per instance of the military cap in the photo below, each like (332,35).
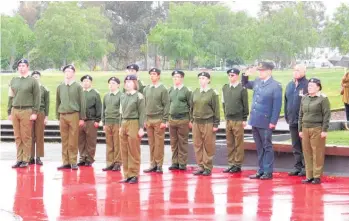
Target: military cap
(114,79)
(233,71)
(206,74)
(86,77)
(131,77)
(69,66)
(158,71)
(133,66)
(264,65)
(178,72)
(36,72)
(316,81)
(24,61)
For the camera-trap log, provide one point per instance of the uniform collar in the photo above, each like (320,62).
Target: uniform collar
(316,95)
(265,80)
(204,89)
(69,83)
(132,92)
(88,90)
(156,85)
(24,76)
(234,85)
(179,87)
(115,92)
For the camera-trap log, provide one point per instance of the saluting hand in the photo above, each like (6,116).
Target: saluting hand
(33,117)
(323,134)
(81,123)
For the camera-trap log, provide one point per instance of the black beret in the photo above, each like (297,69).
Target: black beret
(264,65)
(133,66)
(131,77)
(25,61)
(206,74)
(158,71)
(36,72)
(86,77)
(316,81)
(69,66)
(233,71)
(114,79)
(178,72)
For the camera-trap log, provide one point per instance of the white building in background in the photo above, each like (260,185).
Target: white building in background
(320,57)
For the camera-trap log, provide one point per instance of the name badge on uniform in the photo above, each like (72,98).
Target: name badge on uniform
(301,93)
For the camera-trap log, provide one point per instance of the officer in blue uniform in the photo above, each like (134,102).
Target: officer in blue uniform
(264,115)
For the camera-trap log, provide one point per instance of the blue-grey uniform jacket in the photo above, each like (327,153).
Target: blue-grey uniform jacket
(293,97)
(266,102)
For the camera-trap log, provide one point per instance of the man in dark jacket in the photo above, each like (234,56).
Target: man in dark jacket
(295,90)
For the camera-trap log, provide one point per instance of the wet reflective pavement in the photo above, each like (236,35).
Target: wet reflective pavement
(43,193)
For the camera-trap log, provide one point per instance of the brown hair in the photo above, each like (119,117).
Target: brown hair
(135,82)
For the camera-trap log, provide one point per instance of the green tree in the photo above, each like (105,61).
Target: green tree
(67,32)
(337,30)
(16,40)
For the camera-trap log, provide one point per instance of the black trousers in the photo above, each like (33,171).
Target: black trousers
(297,147)
(347,110)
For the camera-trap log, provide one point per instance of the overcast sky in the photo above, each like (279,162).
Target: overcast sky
(250,6)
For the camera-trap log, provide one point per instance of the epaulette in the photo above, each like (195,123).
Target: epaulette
(96,90)
(140,96)
(45,88)
(216,92)
(323,95)
(164,86)
(189,89)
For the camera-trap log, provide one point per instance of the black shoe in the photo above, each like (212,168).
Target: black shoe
(151,169)
(38,161)
(174,166)
(206,172)
(31,161)
(235,169)
(17,164)
(182,167)
(256,176)
(87,164)
(67,166)
(159,169)
(133,180)
(116,167)
(294,173)
(266,176)
(108,168)
(199,171)
(82,163)
(74,167)
(307,180)
(302,173)
(24,164)
(125,180)
(316,181)
(228,169)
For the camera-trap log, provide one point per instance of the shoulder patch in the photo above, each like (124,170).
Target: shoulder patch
(216,92)
(323,95)
(140,96)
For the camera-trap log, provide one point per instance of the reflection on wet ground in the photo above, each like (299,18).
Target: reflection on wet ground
(43,193)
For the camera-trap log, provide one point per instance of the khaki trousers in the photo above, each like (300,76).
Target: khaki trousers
(38,136)
(69,128)
(156,137)
(235,142)
(22,128)
(87,142)
(179,133)
(113,154)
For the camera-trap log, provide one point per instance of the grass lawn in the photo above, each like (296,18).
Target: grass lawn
(330,78)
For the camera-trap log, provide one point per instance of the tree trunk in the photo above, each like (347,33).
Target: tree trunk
(163,62)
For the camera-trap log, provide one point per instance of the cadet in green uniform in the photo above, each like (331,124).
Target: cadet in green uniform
(71,113)
(131,133)
(206,118)
(235,107)
(88,133)
(314,120)
(180,98)
(23,106)
(39,123)
(157,105)
(133,69)
(111,122)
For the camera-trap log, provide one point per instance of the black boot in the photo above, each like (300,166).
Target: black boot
(182,167)
(31,161)
(256,176)
(316,181)
(227,169)
(67,166)
(159,169)
(17,164)
(151,169)
(307,180)
(38,161)
(24,164)
(235,169)
(174,166)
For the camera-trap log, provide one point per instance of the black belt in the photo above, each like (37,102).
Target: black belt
(68,113)
(23,107)
(179,116)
